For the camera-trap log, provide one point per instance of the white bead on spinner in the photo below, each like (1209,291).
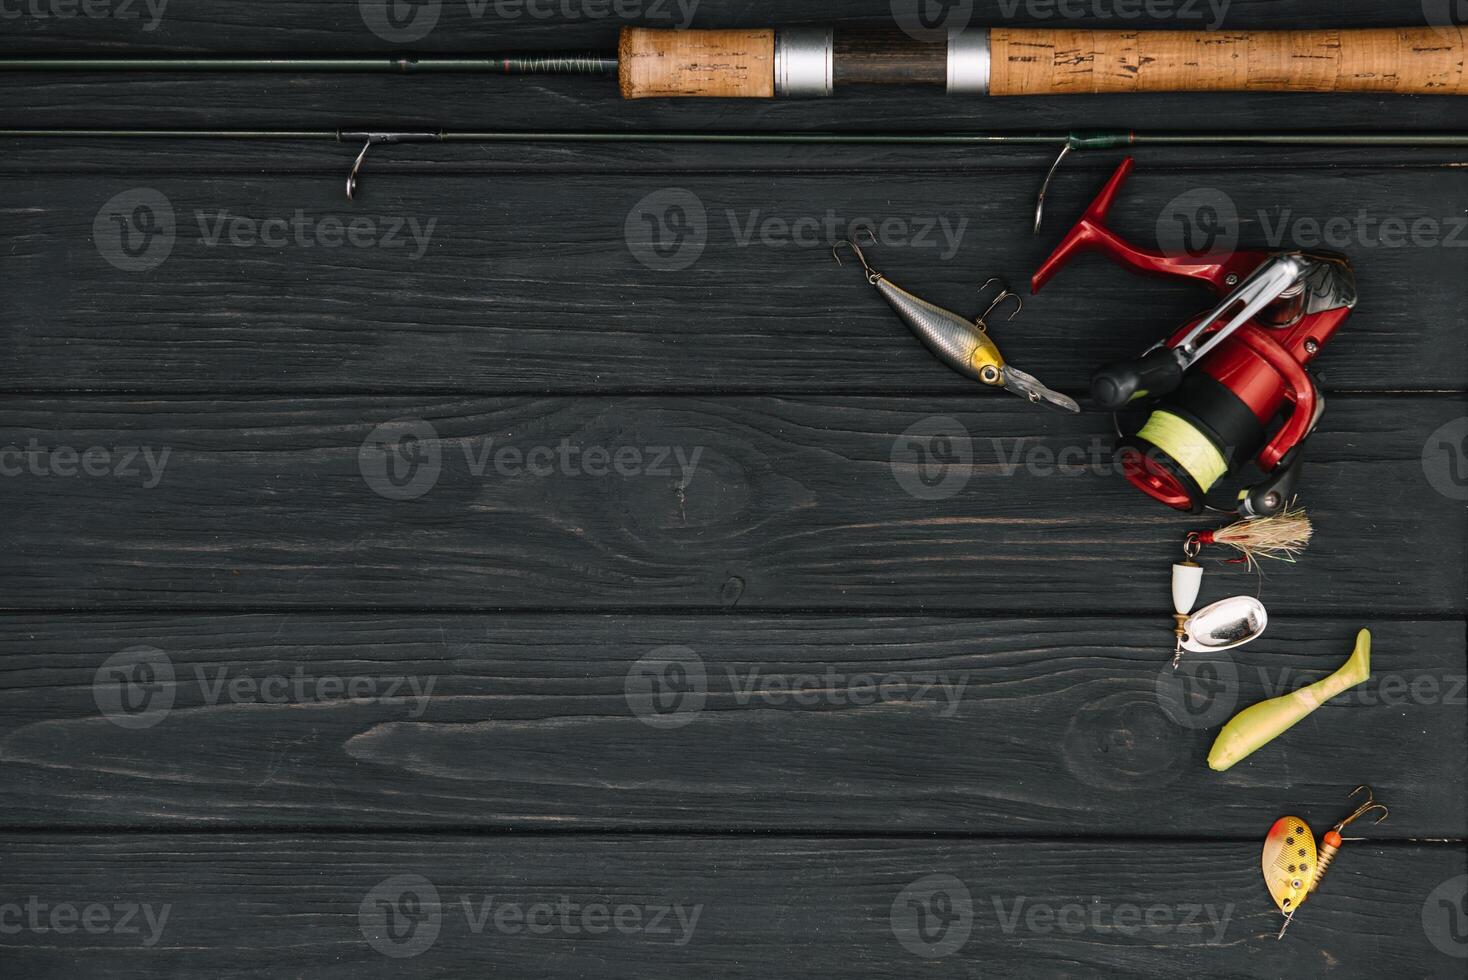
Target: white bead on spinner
(1187,579)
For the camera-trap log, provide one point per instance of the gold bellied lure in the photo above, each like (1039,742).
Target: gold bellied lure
(963,345)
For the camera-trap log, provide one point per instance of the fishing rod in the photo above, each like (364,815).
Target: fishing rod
(1068,142)
(813,61)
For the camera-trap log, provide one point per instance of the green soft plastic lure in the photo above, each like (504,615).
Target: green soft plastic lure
(1258,725)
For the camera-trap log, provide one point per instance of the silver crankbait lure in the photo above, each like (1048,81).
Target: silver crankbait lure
(963,345)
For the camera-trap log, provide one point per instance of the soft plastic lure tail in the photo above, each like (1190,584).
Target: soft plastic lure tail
(1259,724)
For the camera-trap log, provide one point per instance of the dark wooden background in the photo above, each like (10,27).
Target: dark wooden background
(1071,773)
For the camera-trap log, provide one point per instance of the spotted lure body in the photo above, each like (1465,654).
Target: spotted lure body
(964,345)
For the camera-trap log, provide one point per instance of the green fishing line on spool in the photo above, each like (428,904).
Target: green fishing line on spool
(1189,448)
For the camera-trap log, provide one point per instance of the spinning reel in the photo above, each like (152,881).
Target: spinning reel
(1216,386)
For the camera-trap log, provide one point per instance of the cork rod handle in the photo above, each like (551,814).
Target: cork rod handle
(760,64)
(1415,61)
(712,64)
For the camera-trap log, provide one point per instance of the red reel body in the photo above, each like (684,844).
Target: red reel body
(1228,374)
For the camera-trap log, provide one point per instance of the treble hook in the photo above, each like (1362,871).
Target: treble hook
(1366,807)
(873,276)
(1004,294)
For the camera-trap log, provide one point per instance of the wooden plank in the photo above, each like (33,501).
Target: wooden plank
(676,281)
(232,906)
(986,726)
(650,503)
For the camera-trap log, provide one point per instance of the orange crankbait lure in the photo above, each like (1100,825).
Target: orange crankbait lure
(1291,864)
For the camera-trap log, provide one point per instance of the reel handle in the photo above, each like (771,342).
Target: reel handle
(1115,385)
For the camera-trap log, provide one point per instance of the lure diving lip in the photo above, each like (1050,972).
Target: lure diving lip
(964,345)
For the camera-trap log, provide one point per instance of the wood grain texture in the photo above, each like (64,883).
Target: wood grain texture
(1061,780)
(704,64)
(294,904)
(511,284)
(1403,61)
(991,505)
(992,726)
